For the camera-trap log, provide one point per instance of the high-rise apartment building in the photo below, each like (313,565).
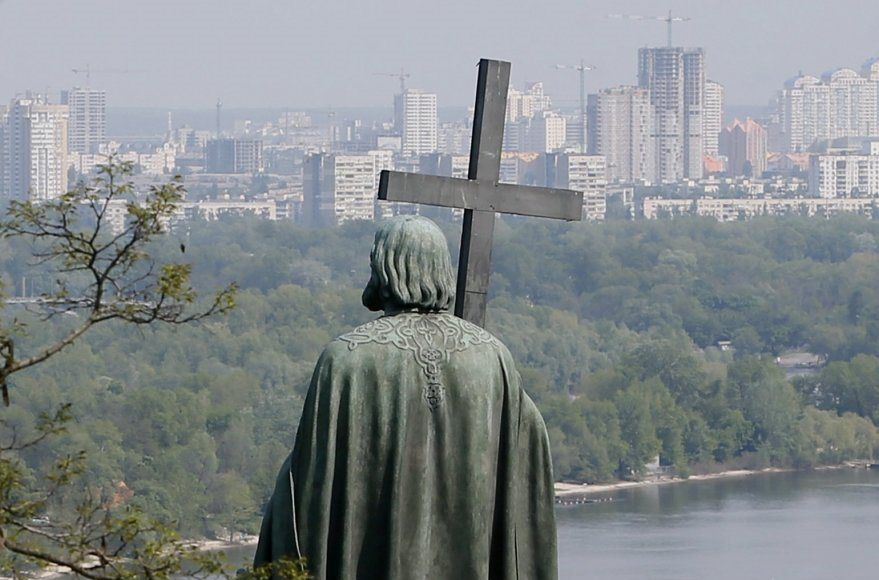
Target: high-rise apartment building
(853,104)
(546,133)
(445,165)
(870,70)
(342,187)
(515,133)
(526,127)
(675,79)
(744,145)
(233,156)
(384,159)
(528,103)
(620,123)
(87,127)
(415,118)
(454,138)
(804,113)
(586,173)
(840,175)
(712,117)
(840,104)
(576,133)
(35,149)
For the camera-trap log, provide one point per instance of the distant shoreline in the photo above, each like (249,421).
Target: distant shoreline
(206,545)
(571,492)
(565,493)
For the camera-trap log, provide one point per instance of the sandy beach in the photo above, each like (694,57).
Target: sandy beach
(58,572)
(218,545)
(571,492)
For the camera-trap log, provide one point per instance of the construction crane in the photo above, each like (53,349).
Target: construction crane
(669,20)
(581,68)
(88,71)
(402,76)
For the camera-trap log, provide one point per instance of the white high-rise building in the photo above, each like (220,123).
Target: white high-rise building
(87,128)
(846,175)
(586,173)
(675,79)
(853,104)
(546,133)
(343,187)
(712,119)
(870,70)
(454,138)
(528,103)
(804,112)
(383,159)
(841,104)
(415,118)
(526,126)
(35,149)
(620,129)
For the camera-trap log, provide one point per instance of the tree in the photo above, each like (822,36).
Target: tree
(851,387)
(105,271)
(96,241)
(676,365)
(638,430)
(770,404)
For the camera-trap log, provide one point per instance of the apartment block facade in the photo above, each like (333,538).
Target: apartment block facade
(675,80)
(87,128)
(620,128)
(34,149)
(415,118)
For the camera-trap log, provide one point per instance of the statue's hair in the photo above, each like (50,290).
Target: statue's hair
(411,267)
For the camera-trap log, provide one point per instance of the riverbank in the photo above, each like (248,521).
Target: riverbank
(802,524)
(241,541)
(220,545)
(572,492)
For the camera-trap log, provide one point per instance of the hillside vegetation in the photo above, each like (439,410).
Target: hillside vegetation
(614,327)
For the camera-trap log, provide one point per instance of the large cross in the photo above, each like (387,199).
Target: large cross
(480,195)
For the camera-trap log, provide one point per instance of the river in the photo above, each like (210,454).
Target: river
(821,525)
(804,526)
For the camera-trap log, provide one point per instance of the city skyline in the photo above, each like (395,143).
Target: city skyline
(666,128)
(269,54)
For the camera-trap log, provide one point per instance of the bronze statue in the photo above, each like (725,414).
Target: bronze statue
(418,454)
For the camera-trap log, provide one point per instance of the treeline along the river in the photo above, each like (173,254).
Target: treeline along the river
(615,328)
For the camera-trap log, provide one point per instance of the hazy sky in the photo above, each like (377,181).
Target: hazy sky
(324,53)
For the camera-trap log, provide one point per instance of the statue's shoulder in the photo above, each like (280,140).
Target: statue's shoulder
(410,330)
(378,331)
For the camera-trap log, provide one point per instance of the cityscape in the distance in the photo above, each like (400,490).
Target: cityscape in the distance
(659,148)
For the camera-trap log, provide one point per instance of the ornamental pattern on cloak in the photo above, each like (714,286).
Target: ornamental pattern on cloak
(431,338)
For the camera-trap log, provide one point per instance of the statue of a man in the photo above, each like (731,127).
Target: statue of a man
(418,455)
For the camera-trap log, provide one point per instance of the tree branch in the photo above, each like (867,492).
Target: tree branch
(42,556)
(52,350)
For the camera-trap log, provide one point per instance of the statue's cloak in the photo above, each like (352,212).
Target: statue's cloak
(418,456)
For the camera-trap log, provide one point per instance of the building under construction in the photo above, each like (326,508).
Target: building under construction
(675,79)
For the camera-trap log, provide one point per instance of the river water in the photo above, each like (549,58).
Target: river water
(782,526)
(799,526)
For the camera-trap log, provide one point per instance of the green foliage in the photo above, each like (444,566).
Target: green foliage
(613,327)
(847,387)
(56,506)
(281,570)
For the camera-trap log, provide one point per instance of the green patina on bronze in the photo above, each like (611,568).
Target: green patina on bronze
(418,454)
